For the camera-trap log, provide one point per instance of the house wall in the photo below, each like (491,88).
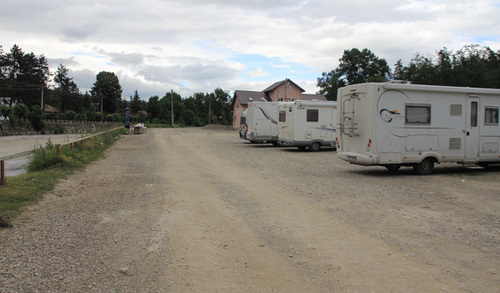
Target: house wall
(292,93)
(237,114)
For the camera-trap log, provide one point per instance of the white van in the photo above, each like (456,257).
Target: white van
(262,122)
(401,124)
(308,124)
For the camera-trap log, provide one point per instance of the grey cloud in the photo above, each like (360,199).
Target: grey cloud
(67,62)
(125,59)
(84,78)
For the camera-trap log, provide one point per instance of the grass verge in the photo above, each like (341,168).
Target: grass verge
(45,169)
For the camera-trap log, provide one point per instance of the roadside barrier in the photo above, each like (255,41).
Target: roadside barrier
(2,162)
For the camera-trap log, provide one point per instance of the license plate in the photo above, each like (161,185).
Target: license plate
(352,158)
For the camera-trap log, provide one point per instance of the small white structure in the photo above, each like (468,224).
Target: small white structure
(139,128)
(308,124)
(262,122)
(400,124)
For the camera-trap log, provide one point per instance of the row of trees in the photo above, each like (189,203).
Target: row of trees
(473,66)
(25,79)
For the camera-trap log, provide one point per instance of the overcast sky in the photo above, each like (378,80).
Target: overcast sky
(191,46)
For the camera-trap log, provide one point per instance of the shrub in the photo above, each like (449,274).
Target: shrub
(21,111)
(70,115)
(36,118)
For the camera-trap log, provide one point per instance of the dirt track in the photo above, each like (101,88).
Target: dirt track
(199,210)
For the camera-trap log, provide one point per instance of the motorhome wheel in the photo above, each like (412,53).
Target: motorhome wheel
(425,167)
(315,147)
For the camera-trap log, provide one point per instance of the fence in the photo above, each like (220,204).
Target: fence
(2,162)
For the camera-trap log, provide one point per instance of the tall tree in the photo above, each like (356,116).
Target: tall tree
(107,91)
(153,107)
(355,67)
(135,103)
(23,76)
(67,90)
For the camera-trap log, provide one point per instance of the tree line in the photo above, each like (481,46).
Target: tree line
(470,66)
(25,87)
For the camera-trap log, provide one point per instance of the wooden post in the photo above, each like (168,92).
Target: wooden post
(3,172)
(58,149)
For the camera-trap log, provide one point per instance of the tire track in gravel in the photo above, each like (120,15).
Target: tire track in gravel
(233,234)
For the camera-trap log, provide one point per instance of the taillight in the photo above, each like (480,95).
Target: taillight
(369,142)
(246,128)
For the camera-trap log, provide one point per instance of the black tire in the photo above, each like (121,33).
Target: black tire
(393,168)
(276,144)
(315,147)
(425,167)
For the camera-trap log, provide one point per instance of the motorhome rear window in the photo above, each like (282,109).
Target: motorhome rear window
(418,114)
(282,117)
(491,115)
(312,115)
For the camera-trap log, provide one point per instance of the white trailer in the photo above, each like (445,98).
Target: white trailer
(243,123)
(401,124)
(262,122)
(308,124)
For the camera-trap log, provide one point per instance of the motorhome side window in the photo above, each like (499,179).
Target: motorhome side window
(312,115)
(418,114)
(491,115)
(282,116)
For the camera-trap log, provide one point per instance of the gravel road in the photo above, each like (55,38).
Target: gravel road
(199,210)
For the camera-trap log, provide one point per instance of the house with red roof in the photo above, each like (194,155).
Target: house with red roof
(281,91)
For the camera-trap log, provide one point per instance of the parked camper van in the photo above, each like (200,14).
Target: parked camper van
(262,122)
(243,123)
(308,124)
(402,124)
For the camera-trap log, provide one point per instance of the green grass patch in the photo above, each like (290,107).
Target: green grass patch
(46,168)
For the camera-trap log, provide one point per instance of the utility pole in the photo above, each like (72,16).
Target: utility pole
(172,105)
(41,98)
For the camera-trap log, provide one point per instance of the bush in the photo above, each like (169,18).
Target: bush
(36,118)
(59,129)
(21,111)
(98,116)
(70,115)
(44,157)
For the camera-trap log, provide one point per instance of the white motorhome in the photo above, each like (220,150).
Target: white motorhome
(262,122)
(401,124)
(308,124)
(243,123)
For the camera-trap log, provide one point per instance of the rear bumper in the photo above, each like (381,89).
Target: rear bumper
(358,159)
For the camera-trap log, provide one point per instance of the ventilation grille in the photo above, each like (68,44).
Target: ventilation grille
(455,143)
(456,110)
